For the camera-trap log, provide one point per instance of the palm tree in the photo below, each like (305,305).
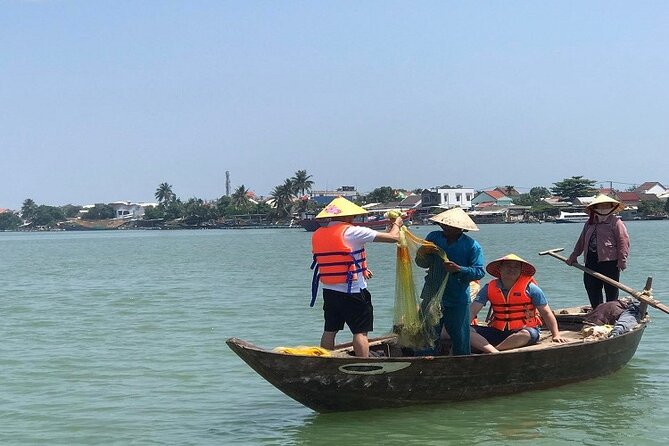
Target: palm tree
(240,198)
(28,209)
(301,182)
(164,193)
(283,196)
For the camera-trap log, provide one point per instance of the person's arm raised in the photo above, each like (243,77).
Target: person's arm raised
(393,234)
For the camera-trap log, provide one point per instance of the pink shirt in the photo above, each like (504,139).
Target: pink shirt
(613,242)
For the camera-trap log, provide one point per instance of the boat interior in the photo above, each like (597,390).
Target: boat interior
(570,321)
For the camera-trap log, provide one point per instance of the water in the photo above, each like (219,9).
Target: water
(119,338)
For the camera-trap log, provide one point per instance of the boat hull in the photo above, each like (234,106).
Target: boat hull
(331,384)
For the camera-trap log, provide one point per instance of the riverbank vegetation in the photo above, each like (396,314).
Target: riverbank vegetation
(287,201)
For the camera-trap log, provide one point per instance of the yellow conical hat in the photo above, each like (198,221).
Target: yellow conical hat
(341,207)
(493,267)
(601,198)
(456,218)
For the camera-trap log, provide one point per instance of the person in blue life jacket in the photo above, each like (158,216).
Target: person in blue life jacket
(340,267)
(464,265)
(518,308)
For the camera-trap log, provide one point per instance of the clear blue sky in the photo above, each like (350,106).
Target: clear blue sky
(103,100)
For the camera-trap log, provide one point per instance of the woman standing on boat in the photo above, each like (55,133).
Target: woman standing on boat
(340,265)
(606,246)
(464,264)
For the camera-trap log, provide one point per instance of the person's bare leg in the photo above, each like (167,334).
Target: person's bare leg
(480,343)
(328,340)
(361,345)
(516,340)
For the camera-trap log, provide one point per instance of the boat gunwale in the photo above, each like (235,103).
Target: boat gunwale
(530,348)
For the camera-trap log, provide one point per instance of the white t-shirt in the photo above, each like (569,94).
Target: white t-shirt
(355,237)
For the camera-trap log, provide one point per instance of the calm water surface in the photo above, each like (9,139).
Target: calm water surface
(119,338)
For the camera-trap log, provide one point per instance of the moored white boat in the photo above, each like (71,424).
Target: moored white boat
(572,217)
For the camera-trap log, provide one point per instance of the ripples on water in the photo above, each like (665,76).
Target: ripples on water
(119,338)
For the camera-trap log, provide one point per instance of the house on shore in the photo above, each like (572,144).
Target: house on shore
(447,198)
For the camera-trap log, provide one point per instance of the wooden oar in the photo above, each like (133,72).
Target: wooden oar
(644,297)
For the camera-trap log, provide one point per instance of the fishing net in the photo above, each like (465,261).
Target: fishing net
(417,311)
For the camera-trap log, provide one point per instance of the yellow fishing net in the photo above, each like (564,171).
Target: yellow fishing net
(417,302)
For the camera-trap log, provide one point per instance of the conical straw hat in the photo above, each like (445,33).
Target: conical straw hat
(456,218)
(527,269)
(601,198)
(340,207)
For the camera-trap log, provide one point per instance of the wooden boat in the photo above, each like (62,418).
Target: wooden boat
(342,382)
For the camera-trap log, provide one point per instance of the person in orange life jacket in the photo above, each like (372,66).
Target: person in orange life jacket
(515,299)
(341,268)
(606,244)
(465,264)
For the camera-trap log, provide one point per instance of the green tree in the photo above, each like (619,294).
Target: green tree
(154,212)
(525,200)
(173,209)
(263,208)
(196,212)
(571,188)
(650,207)
(540,192)
(533,198)
(666,206)
(382,195)
(47,215)
(70,210)
(28,209)
(164,193)
(301,182)
(240,198)
(283,198)
(100,211)
(9,221)
(225,207)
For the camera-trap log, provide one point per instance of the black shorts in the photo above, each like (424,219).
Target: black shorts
(354,309)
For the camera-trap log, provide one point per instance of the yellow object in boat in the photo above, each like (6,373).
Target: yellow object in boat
(302,350)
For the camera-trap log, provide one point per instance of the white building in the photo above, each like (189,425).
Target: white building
(447,198)
(651,187)
(126,209)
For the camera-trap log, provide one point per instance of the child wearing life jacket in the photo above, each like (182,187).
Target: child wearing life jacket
(518,308)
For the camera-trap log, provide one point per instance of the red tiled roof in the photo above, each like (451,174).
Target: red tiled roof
(627,196)
(495,194)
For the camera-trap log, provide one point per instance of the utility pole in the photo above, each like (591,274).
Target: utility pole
(227,183)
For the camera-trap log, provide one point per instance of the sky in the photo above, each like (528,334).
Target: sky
(102,101)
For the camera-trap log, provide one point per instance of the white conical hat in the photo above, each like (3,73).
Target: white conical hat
(601,198)
(341,207)
(456,218)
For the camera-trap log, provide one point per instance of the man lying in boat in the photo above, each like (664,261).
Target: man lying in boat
(517,304)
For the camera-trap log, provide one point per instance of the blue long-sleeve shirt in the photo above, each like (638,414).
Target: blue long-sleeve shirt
(467,253)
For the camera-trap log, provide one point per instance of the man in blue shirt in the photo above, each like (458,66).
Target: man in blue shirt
(464,264)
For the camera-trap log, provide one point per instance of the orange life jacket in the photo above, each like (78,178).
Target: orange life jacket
(334,261)
(514,311)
